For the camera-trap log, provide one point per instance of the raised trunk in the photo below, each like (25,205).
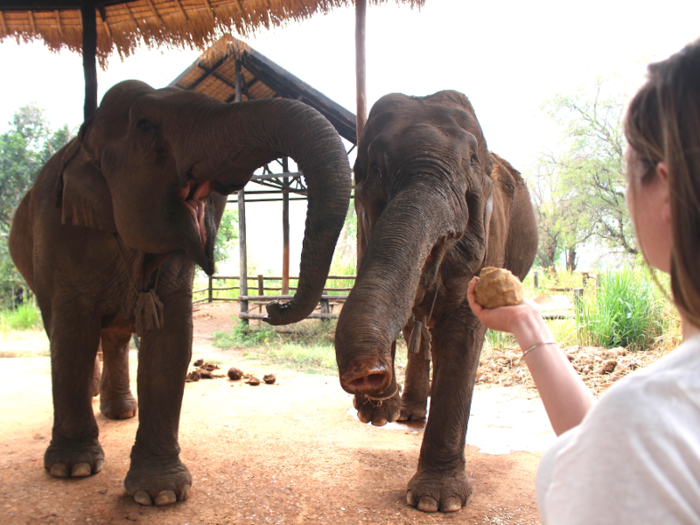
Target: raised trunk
(381,301)
(249,135)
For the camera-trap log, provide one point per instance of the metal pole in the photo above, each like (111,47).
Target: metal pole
(360,65)
(87,13)
(285,228)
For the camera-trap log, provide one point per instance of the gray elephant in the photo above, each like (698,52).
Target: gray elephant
(108,238)
(434,207)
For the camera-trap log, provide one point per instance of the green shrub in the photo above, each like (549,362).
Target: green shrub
(25,317)
(627,309)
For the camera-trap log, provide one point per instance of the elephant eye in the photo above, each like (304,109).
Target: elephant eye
(144,125)
(474,160)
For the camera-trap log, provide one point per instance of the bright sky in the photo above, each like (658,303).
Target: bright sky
(508,57)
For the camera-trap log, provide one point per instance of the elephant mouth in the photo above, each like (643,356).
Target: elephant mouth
(194,197)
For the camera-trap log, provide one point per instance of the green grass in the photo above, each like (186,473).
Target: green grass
(26,317)
(628,309)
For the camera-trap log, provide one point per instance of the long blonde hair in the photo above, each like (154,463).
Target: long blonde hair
(663,124)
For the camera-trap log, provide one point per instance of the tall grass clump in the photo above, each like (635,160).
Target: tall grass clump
(25,317)
(628,309)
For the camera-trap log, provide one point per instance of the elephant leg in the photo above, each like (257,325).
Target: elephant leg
(157,476)
(440,482)
(116,400)
(74,450)
(416,389)
(96,375)
(379,412)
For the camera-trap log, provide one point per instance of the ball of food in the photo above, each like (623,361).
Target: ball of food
(498,287)
(234,373)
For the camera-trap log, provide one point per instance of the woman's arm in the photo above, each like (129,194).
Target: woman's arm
(565,396)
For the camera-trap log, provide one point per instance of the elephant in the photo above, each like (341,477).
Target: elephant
(434,207)
(108,238)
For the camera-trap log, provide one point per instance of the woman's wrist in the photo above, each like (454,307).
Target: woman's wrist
(530,329)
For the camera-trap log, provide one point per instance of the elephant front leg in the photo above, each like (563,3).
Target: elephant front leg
(116,400)
(440,482)
(157,476)
(74,450)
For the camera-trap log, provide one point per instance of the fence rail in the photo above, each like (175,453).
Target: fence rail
(328,300)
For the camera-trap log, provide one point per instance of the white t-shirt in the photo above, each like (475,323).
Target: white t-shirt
(635,458)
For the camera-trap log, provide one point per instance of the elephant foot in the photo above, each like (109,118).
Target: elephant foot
(118,407)
(413,411)
(74,459)
(432,492)
(379,413)
(158,481)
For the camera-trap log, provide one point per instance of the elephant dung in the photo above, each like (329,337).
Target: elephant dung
(269,379)
(234,373)
(498,287)
(253,381)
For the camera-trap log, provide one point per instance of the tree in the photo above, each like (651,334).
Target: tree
(227,236)
(584,197)
(24,149)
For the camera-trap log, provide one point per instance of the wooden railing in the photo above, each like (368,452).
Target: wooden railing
(326,304)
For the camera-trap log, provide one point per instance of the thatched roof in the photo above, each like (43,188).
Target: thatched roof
(122,24)
(214,74)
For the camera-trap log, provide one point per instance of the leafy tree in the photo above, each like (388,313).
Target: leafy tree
(24,149)
(227,236)
(580,192)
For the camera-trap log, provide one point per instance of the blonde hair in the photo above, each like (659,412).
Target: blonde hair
(663,124)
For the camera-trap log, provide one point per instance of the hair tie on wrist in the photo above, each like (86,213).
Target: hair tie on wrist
(536,345)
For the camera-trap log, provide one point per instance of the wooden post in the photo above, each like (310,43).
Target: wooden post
(325,306)
(211,289)
(243,254)
(242,248)
(360,65)
(536,281)
(87,13)
(285,228)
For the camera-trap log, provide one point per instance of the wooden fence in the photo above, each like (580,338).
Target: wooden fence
(330,298)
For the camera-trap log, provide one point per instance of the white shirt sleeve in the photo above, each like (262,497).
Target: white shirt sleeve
(634,459)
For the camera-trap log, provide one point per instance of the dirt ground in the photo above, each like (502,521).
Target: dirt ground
(292,452)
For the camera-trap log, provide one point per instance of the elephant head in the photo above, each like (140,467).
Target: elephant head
(154,166)
(423,184)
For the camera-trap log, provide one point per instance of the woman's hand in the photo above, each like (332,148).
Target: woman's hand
(522,320)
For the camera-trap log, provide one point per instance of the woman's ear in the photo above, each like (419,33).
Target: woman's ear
(85,199)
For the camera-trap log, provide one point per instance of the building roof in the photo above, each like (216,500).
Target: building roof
(214,74)
(123,24)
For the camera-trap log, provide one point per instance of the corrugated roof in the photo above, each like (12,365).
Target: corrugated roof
(214,74)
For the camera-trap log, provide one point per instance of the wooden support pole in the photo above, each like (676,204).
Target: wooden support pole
(285,228)
(360,65)
(243,249)
(89,23)
(211,289)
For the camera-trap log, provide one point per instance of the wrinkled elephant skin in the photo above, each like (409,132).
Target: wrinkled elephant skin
(434,206)
(108,238)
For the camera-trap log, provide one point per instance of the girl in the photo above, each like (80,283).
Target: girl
(634,456)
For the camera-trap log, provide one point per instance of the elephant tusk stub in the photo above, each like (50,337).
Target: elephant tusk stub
(194,197)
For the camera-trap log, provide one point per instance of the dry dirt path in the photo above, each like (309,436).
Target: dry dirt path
(285,453)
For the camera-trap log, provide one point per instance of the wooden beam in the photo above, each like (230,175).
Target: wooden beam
(360,65)
(182,10)
(31,21)
(242,248)
(89,23)
(58,22)
(4,26)
(155,12)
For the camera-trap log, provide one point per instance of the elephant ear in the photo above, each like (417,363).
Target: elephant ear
(84,196)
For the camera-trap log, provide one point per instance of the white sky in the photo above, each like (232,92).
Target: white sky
(508,57)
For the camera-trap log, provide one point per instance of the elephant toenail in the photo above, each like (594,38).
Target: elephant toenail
(185,492)
(99,465)
(428,504)
(143,498)
(166,497)
(81,470)
(410,499)
(451,505)
(59,471)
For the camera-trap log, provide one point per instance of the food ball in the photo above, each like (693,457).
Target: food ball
(498,287)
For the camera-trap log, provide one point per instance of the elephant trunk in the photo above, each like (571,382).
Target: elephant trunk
(381,301)
(255,133)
